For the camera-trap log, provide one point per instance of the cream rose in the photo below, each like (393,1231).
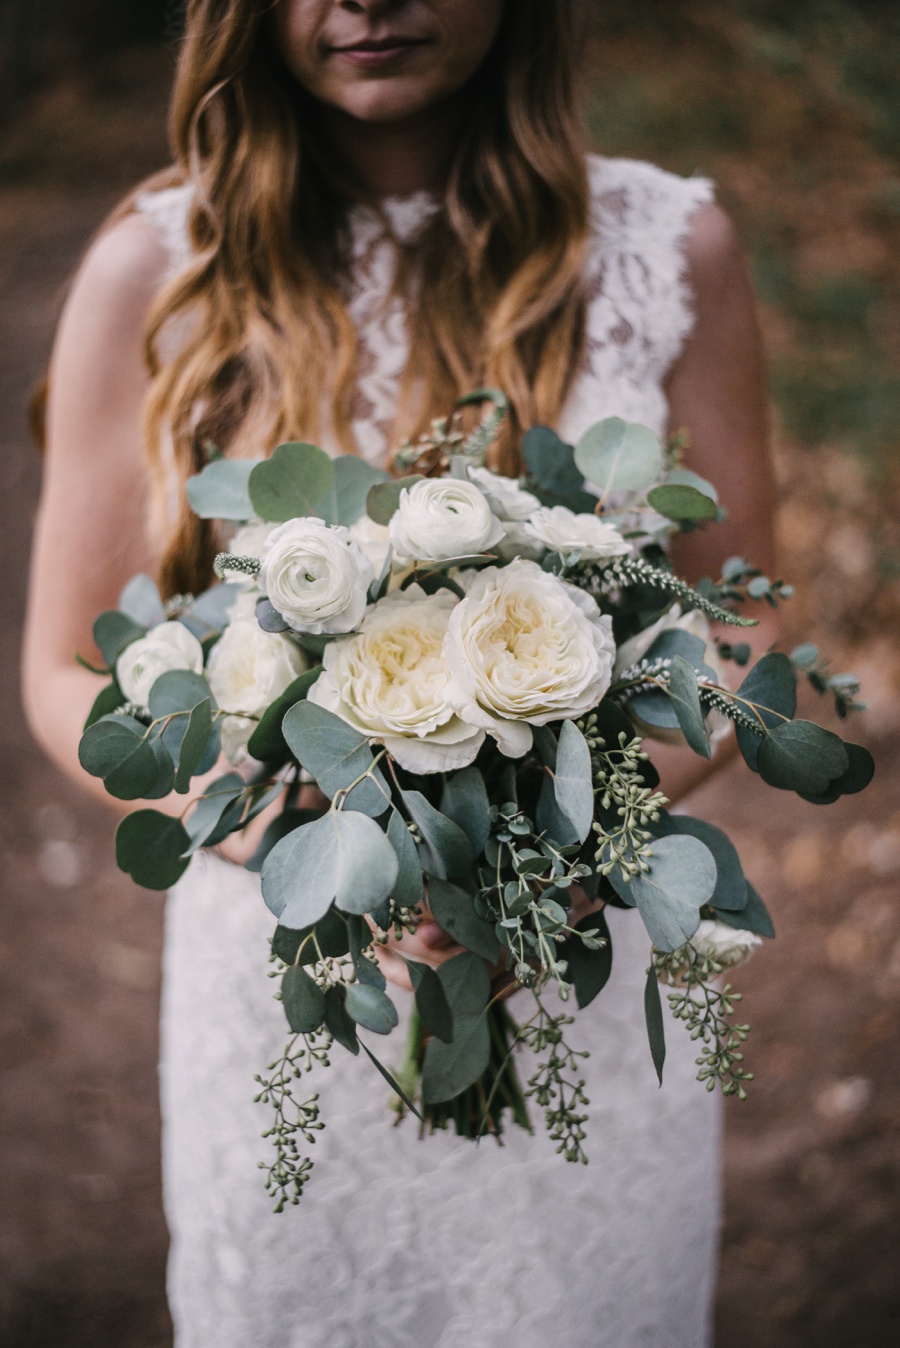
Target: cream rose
(442,517)
(525,648)
(507,499)
(562,531)
(389,681)
(315,576)
(728,946)
(632,652)
(247,669)
(166,647)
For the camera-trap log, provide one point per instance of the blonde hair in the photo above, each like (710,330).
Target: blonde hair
(493,284)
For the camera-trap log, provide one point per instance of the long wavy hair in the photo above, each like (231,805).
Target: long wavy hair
(493,284)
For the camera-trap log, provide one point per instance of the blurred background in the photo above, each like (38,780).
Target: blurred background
(795,111)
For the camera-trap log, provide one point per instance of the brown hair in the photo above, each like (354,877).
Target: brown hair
(496,277)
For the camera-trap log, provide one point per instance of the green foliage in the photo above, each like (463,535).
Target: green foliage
(151,847)
(303,1000)
(679,879)
(653,1016)
(113,631)
(337,756)
(573,780)
(453,910)
(684,496)
(371,1008)
(448,850)
(707,1011)
(731,890)
(588,967)
(293,482)
(140,601)
(221,490)
(117,748)
(267,743)
(383,499)
(353,479)
(431,1000)
(451,1067)
(464,801)
(217,812)
(618,455)
(343,858)
(408,888)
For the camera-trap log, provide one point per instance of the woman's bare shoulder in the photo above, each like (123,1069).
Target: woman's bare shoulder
(714,252)
(122,272)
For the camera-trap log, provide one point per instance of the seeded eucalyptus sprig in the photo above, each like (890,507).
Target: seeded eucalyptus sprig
(707,1012)
(288,1173)
(605,579)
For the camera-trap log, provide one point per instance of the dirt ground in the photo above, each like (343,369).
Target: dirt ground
(812,1162)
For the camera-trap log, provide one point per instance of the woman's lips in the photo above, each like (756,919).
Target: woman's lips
(384,52)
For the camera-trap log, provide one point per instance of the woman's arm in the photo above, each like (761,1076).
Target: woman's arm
(717,391)
(91,534)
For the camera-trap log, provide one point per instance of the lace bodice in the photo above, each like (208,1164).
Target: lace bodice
(639,301)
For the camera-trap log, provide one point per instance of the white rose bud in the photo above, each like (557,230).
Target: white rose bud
(727,945)
(315,577)
(389,681)
(247,670)
(442,517)
(562,531)
(166,647)
(524,649)
(507,499)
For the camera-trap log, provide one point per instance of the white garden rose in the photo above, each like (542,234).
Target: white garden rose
(728,946)
(166,647)
(632,652)
(442,517)
(506,497)
(315,576)
(525,648)
(372,539)
(389,682)
(562,531)
(247,670)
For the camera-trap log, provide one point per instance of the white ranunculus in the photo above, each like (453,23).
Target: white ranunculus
(727,945)
(562,531)
(526,648)
(372,539)
(442,517)
(389,682)
(247,670)
(166,647)
(315,577)
(632,652)
(506,497)
(250,539)
(517,542)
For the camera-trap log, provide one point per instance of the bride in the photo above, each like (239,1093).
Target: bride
(378,205)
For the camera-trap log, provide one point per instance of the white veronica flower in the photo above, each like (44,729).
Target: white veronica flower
(727,945)
(632,651)
(442,517)
(315,577)
(562,531)
(389,681)
(506,497)
(166,647)
(247,670)
(525,648)
(372,539)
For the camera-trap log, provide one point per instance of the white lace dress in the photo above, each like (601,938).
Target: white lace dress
(399,1243)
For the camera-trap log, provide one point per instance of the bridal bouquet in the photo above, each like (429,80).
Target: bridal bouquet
(467,666)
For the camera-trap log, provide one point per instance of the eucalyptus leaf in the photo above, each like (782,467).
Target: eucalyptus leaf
(105,703)
(117,749)
(175,695)
(653,1015)
(303,999)
(431,1000)
(371,1008)
(669,896)
(279,828)
(193,745)
(731,890)
(453,910)
(331,940)
(113,631)
(771,686)
(409,887)
(465,802)
(292,483)
(684,692)
(573,781)
(754,916)
(140,601)
(450,1067)
(353,479)
(801,756)
(684,496)
(550,820)
(336,755)
(449,850)
(343,857)
(383,499)
(269,619)
(551,462)
(221,490)
(588,970)
(618,455)
(859,772)
(267,743)
(165,771)
(338,1022)
(150,848)
(209,611)
(391,1080)
(219,798)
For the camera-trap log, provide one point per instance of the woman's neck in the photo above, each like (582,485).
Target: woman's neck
(396,159)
